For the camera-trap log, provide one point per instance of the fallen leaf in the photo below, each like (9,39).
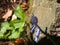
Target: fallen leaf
(8,14)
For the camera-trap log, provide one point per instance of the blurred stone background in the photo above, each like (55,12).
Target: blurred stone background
(45,10)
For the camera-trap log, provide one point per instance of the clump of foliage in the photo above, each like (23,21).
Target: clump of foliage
(14,28)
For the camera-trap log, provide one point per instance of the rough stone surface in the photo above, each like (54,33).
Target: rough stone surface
(45,11)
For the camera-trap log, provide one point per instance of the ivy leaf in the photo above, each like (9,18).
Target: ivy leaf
(1,35)
(14,35)
(19,25)
(19,12)
(4,27)
(6,35)
(16,26)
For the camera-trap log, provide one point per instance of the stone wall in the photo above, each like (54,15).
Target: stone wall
(45,11)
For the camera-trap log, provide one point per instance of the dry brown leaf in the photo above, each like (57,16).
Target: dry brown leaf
(8,14)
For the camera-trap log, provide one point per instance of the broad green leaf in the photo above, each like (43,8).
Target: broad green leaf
(4,27)
(19,25)
(6,36)
(19,8)
(19,12)
(14,35)
(16,26)
(1,35)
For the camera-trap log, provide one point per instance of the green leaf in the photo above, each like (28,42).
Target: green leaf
(19,8)
(14,35)
(6,35)
(1,35)
(19,25)
(16,26)
(4,27)
(19,13)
